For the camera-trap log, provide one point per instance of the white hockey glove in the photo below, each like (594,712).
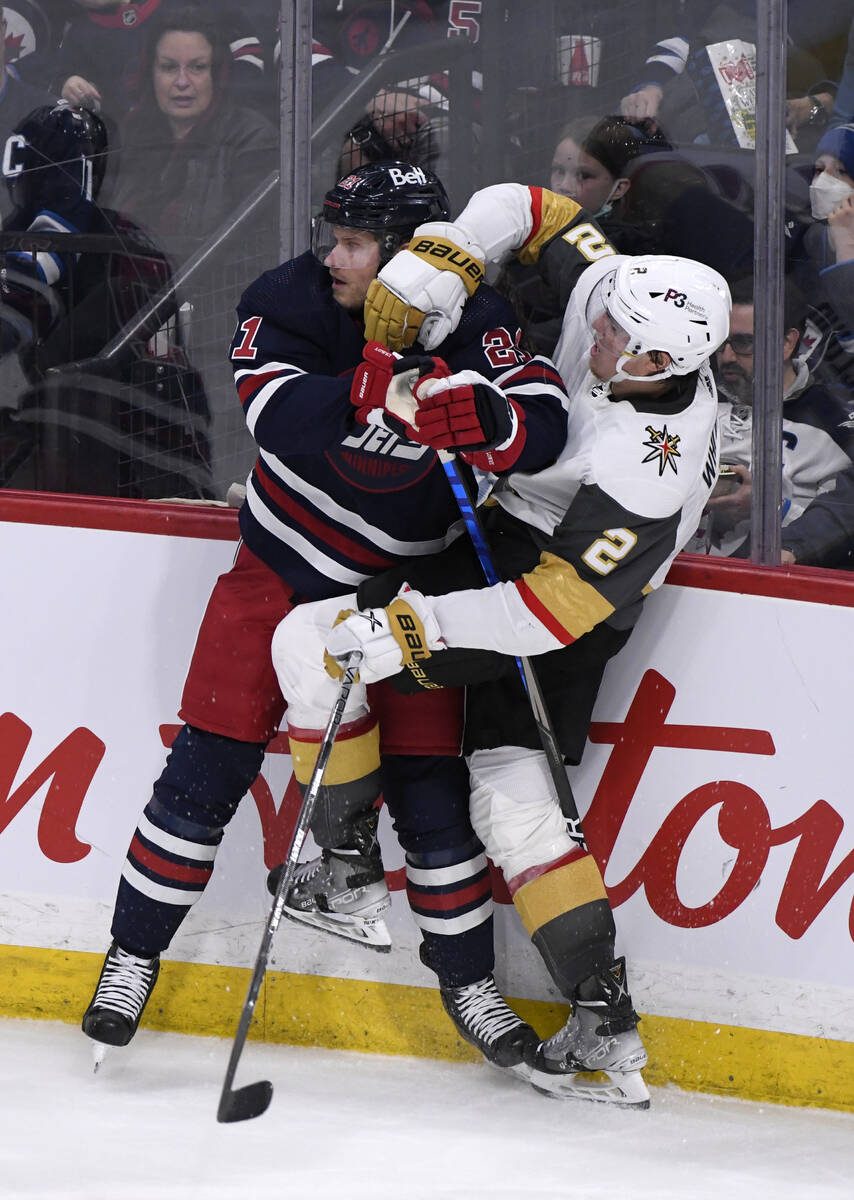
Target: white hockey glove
(390,639)
(421,292)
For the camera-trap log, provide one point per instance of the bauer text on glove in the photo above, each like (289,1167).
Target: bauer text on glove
(422,291)
(398,637)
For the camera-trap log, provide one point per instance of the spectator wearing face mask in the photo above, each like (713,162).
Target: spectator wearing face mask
(589,165)
(828,242)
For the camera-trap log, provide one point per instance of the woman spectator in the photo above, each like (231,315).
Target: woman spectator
(190,155)
(100,44)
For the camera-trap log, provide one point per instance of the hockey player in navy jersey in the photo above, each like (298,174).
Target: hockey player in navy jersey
(579,545)
(333,499)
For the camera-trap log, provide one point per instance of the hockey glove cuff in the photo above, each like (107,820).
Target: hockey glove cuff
(390,639)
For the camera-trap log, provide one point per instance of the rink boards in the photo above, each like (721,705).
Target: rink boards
(715,793)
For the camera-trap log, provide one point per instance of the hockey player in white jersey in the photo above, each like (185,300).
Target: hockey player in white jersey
(579,545)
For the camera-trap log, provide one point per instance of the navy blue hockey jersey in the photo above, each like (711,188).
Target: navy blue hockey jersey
(331,502)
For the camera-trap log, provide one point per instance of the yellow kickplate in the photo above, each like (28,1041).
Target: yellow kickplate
(350,1014)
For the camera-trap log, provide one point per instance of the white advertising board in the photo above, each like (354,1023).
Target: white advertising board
(715,787)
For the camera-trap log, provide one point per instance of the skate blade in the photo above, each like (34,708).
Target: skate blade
(625,1089)
(99,1053)
(370,932)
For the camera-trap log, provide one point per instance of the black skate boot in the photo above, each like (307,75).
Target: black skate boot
(484,1019)
(600,1036)
(122,993)
(344,890)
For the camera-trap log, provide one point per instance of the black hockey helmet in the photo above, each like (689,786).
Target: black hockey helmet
(389,199)
(56,157)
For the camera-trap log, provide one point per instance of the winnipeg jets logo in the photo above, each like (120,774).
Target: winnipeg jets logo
(662,448)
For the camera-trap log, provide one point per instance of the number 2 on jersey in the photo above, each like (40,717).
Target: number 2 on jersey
(589,241)
(607,551)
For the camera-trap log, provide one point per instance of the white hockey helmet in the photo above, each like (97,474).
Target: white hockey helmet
(668,303)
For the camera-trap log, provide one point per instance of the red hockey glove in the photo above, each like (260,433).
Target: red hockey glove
(463,412)
(382,389)
(371,379)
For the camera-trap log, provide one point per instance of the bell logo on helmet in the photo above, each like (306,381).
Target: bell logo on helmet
(401,178)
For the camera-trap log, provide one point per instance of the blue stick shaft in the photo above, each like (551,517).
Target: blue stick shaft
(529,680)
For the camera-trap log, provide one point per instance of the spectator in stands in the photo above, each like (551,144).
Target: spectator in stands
(680,83)
(820,259)
(602,178)
(99,58)
(406,121)
(818,429)
(829,242)
(843,110)
(89,431)
(823,536)
(589,165)
(564,166)
(17,98)
(190,155)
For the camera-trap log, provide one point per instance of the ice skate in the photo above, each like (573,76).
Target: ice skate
(122,993)
(485,1020)
(598,1055)
(343,891)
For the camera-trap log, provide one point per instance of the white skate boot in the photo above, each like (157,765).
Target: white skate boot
(343,891)
(598,1055)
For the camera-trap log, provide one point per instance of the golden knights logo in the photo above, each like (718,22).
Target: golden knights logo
(662,447)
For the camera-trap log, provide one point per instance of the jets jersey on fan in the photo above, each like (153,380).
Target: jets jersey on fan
(818,443)
(330,502)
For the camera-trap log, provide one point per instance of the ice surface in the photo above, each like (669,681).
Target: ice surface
(370,1127)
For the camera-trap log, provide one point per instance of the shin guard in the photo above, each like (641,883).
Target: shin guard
(565,909)
(351,782)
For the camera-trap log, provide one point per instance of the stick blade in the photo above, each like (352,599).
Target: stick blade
(244,1103)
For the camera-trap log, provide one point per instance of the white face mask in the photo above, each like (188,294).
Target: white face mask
(825,193)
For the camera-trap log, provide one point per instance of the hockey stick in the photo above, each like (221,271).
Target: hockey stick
(241,1104)
(540,713)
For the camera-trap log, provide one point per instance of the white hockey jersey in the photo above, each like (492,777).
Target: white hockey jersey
(609,516)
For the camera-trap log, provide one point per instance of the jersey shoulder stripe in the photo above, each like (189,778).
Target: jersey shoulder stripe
(551,213)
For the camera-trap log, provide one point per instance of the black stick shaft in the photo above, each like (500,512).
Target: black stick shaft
(252,1100)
